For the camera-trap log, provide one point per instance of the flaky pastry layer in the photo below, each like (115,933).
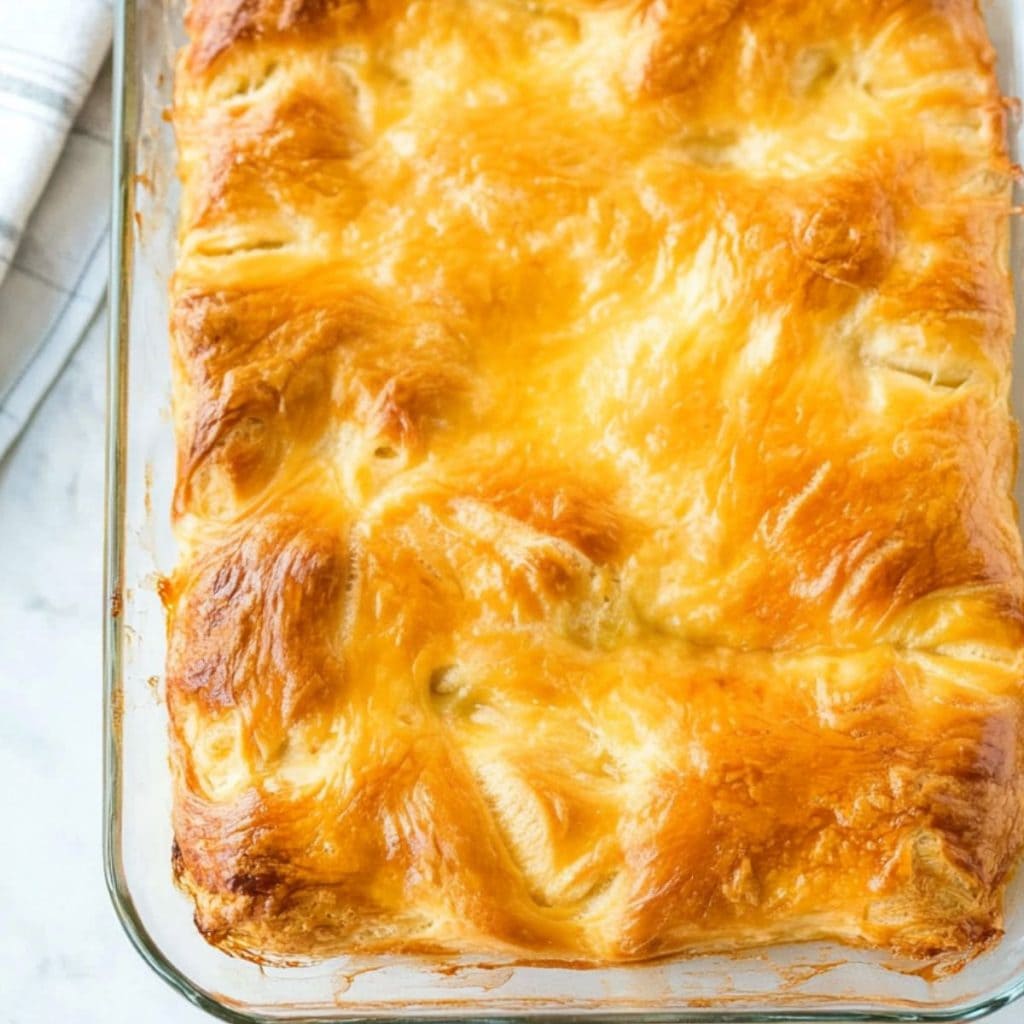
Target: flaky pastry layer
(594,477)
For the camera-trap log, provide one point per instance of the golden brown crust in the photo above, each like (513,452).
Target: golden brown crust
(594,471)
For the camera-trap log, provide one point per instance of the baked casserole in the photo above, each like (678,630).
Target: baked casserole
(594,478)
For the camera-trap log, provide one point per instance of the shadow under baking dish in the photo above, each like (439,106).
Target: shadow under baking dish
(813,981)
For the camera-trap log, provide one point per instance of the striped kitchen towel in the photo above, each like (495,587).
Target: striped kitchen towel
(54,191)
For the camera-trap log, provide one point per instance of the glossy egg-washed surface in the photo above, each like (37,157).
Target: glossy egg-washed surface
(594,477)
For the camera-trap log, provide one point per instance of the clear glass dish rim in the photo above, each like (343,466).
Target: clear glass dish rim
(125,106)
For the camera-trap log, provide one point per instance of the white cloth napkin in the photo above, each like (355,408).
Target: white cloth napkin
(54,191)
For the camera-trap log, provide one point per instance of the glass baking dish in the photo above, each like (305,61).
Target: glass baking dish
(816,981)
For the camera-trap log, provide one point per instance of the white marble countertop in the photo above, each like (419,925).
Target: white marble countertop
(63,956)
